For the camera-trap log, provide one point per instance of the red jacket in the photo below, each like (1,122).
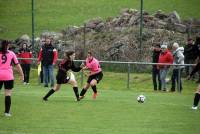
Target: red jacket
(25,54)
(165,57)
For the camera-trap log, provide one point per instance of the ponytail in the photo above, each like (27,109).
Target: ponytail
(4,46)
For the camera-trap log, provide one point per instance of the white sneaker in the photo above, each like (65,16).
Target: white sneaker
(24,83)
(194,108)
(7,114)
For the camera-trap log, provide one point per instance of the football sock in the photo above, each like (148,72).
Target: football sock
(76,92)
(83,92)
(49,93)
(7,104)
(196,99)
(94,88)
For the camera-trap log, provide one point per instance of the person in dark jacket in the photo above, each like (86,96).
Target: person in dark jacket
(63,76)
(190,56)
(155,71)
(25,52)
(197,93)
(48,57)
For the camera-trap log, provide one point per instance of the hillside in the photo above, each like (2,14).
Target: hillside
(55,15)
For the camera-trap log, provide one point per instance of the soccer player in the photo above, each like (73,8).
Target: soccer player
(94,77)
(62,77)
(197,93)
(7,59)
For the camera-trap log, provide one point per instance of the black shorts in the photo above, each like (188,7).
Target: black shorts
(9,84)
(97,77)
(62,78)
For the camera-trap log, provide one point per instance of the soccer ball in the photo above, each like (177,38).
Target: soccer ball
(141,98)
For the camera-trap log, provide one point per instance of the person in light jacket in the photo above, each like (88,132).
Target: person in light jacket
(178,59)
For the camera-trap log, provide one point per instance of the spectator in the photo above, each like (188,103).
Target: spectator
(178,59)
(155,70)
(190,57)
(166,58)
(48,57)
(24,52)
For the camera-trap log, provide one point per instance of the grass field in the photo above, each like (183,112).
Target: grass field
(58,14)
(115,111)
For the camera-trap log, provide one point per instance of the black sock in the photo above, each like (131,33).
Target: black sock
(196,99)
(76,92)
(83,92)
(7,104)
(49,94)
(94,88)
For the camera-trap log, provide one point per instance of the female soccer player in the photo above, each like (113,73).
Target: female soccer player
(8,57)
(62,77)
(94,77)
(197,93)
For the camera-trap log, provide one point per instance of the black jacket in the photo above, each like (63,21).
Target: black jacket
(155,57)
(190,52)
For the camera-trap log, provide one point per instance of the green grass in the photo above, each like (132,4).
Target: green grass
(58,14)
(115,111)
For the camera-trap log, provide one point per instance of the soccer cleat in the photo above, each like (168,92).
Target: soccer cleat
(81,97)
(194,108)
(94,96)
(7,114)
(78,99)
(44,99)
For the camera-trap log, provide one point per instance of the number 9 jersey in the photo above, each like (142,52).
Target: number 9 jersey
(6,61)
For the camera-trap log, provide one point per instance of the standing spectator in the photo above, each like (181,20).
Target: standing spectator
(190,57)
(25,52)
(155,70)
(166,58)
(48,57)
(178,59)
(197,53)
(8,57)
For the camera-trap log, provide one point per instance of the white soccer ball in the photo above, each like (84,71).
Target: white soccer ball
(141,98)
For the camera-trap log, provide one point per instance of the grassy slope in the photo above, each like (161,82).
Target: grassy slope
(115,111)
(57,14)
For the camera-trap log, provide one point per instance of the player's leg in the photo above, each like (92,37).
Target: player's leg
(51,91)
(196,98)
(84,90)
(93,84)
(75,88)
(8,91)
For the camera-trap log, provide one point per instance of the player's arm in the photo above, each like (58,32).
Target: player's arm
(19,69)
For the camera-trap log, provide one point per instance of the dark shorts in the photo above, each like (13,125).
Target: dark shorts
(9,84)
(97,77)
(62,79)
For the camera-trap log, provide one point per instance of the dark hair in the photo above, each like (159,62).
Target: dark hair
(89,52)
(68,54)
(4,46)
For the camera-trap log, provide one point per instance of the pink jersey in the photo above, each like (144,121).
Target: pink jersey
(93,65)
(6,71)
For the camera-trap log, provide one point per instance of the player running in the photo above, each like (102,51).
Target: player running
(63,76)
(197,93)
(7,59)
(94,77)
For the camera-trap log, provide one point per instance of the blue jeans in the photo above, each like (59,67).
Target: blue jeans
(48,74)
(163,75)
(175,78)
